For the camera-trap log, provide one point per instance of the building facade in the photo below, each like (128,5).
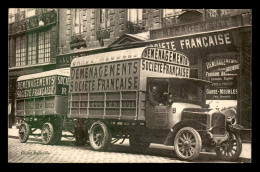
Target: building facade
(32,45)
(217,42)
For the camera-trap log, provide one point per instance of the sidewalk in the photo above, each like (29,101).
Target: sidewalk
(245,154)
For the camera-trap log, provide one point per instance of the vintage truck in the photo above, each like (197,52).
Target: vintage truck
(110,99)
(42,103)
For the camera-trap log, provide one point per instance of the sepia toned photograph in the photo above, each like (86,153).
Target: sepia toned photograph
(129,85)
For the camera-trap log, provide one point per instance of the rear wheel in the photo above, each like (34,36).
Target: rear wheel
(24,132)
(187,143)
(137,145)
(48,133)
(230,149)
(99,136)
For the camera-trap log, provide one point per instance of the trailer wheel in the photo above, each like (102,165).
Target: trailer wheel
(48,133)
(137,145)
(187,143)
(99,136)
(24,132)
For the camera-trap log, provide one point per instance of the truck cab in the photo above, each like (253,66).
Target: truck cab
(176,94)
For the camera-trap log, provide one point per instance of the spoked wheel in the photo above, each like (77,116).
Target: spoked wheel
(24,132)
(187,143)
(137,145)
(230,149)
(99,136)
(48,133)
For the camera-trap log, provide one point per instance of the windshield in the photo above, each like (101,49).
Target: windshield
(187,91)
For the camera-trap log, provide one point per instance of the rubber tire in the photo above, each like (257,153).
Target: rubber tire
(137,145)
(106,141)
(198,146)
(236,155)
(52,138)
(26,137)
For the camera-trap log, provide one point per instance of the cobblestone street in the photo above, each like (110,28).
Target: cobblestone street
(35,152)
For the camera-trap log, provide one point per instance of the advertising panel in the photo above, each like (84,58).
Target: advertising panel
(117,76)
(165,61)
(222,70)
(42,86)
(196,42)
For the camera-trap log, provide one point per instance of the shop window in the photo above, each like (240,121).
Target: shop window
(44,47)
(135,15)
(11,14)
(103,24)
(215,13)
(17,14)
(171,12)
(102,15)
(104,19)
(78,22)
(30,12)
(33,48)
(20,47)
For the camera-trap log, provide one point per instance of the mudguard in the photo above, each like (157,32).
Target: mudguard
(184,123)
(235,128)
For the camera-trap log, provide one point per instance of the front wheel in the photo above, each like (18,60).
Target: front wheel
(187,143)
(230,149)
(99,136)
(24,132)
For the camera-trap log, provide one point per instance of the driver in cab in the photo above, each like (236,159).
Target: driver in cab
(155,97)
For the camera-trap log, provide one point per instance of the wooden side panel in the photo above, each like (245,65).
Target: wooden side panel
(29,107)
(20,107)
(106,105)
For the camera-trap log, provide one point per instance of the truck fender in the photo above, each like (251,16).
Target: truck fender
(235,128)
(184,123)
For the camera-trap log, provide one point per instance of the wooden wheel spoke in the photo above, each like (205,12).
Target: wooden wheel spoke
(184,136)
(182,149)
(193,144)
(233,149)
(182,139)
(179,144)
(192,148)
(186,153)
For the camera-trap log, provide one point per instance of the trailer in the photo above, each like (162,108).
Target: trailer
(110,98)
(42,103)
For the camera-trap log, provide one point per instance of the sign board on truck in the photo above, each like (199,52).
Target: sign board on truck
(123,70)
(53,82)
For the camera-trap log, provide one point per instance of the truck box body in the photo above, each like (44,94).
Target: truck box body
(112,85)
(44,93)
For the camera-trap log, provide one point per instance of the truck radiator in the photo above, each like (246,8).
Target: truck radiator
(218,123)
